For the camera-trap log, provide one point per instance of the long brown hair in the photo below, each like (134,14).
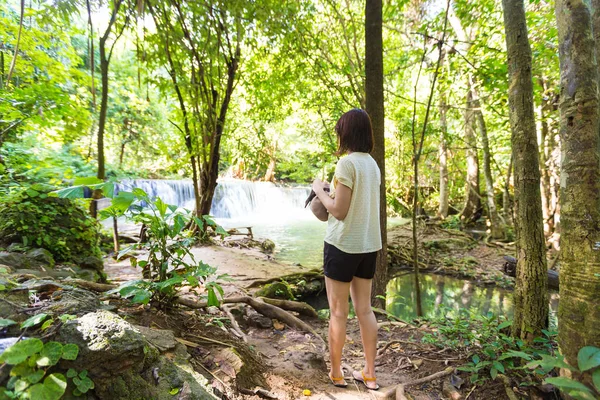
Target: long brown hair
(354,132)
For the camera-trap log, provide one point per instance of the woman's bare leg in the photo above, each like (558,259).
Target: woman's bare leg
(337,296)
(360,290)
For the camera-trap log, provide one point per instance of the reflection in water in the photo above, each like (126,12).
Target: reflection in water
(442,293)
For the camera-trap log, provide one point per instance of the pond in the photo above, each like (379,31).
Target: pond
(447,295)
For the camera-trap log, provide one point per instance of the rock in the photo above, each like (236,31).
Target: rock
(124,364)
(267,246)
(162,339)
(212,310)
(258,320)
(15,248)
(89,262)
(41,256)
(15,260)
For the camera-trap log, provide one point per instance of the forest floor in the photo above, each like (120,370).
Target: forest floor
(294,364)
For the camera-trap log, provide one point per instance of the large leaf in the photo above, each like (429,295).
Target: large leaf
(87,181)
(161,206)
(212,298)
(72,192)
(35,320)
(50,354)
(123,200)
(596,379)
(564,383)
(53,388)
(70,351)
(18,352)
(588,358)
(6,322)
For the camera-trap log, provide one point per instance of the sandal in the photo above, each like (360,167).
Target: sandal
(338,382)
(362,378)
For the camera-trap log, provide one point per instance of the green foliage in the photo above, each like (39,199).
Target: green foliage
(169,264)
(588,359)
(31,216)
(32,374)
(495,352)
(452,222)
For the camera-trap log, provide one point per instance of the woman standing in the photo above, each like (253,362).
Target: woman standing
(351,242)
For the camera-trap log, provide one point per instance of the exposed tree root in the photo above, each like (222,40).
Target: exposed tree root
(235,327)
(313,273)
(268,310)
(397,391)
(268,307)
(299,307)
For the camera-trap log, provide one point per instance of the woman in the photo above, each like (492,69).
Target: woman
(351,242)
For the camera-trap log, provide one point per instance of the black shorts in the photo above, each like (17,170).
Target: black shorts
(342,266)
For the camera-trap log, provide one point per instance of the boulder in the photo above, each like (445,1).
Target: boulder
(15,260)
(90,262)
(125,364)
(41,256)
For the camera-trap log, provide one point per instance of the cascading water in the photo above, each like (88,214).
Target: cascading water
(274,212)
(233,199)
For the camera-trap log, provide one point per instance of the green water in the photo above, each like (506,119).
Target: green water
(444,294)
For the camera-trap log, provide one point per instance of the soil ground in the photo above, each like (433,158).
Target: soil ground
(292,362)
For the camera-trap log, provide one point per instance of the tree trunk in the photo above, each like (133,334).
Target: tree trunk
(208,177)
(545,151)
(374,104)
(443,156)
(506,206)
(472,199)
(496,225)
(104,64)
(91,54)
(578,311)
(16,53)
(531,286)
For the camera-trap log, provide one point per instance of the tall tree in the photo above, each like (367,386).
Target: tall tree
(374,105)
(531,292)
(105,57)
(16,52)
(472,192)
(578,311)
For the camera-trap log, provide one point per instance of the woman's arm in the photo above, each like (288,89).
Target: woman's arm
(339,206)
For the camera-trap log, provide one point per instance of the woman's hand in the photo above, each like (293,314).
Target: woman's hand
(319,186)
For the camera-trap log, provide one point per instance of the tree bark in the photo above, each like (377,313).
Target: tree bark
(472,197)
(210,173)
(578,312)
(545,144)
(374,104)
(496,225)
(531,286)
(506,206)
(13,63)
(443,156)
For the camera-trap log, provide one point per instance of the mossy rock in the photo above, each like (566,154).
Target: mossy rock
(268,246)
(276,290)
(125,365)
(35,218)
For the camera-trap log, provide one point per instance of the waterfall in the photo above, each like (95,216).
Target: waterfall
(233,199)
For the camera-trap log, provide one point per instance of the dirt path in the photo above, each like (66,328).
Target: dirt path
(244,266)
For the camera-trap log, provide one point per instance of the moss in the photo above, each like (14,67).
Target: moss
(34,218)
(276,290)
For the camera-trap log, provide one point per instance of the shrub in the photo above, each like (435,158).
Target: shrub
(33,217)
